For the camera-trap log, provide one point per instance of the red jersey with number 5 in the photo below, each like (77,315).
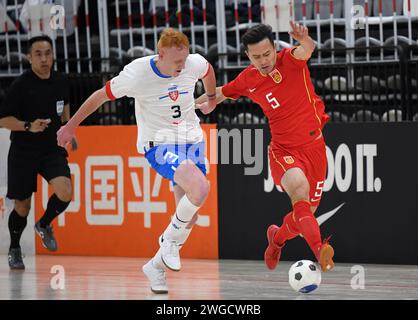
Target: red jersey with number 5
(295,113)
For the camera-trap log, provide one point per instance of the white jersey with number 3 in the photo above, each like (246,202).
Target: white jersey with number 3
(164,106)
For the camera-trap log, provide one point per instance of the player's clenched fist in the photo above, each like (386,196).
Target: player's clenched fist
(207,106)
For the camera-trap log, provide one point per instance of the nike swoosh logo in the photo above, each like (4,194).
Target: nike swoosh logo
(324,217)
(251,90)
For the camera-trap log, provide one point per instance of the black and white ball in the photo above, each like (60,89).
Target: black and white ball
(304,276)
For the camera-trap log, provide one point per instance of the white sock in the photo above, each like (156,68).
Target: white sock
(185,209)
(184,213)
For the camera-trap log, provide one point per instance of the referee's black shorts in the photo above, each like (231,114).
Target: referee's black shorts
(24,164)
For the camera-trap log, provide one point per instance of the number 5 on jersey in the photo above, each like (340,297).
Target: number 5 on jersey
(273,101)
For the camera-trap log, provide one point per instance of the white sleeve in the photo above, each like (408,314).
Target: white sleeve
(122,84)
(199,65)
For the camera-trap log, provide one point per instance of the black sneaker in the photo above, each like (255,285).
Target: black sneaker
(15,259)
(47,237)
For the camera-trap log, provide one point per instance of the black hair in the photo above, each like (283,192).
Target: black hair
(38,39)
(256,34)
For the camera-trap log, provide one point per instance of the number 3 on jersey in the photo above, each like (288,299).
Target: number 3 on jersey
(177,112)
(273,101)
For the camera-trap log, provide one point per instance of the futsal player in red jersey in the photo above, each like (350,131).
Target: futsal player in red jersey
(280,83)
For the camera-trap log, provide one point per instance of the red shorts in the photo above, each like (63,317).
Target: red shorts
(311,159)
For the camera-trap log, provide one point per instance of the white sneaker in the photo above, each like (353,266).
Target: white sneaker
(170,254)
(156,277)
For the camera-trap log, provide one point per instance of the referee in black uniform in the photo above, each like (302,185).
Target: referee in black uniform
(34,109)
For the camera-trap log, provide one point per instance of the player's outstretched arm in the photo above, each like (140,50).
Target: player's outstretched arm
(307,45)
(66,133)
(219,97)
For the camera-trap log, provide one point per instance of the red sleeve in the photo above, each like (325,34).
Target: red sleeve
(235,88)
(289,57)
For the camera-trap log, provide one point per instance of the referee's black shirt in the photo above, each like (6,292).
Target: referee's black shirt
(30,98)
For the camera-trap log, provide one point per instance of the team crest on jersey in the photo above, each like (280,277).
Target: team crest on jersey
(276,76)
(288,159)
(173,92)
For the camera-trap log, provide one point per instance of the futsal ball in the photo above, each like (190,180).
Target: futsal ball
(304,276)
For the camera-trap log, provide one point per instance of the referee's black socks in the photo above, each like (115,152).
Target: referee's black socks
(54,208)
(16,226)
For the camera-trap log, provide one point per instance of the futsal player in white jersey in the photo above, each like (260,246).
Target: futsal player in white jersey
(169,134)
